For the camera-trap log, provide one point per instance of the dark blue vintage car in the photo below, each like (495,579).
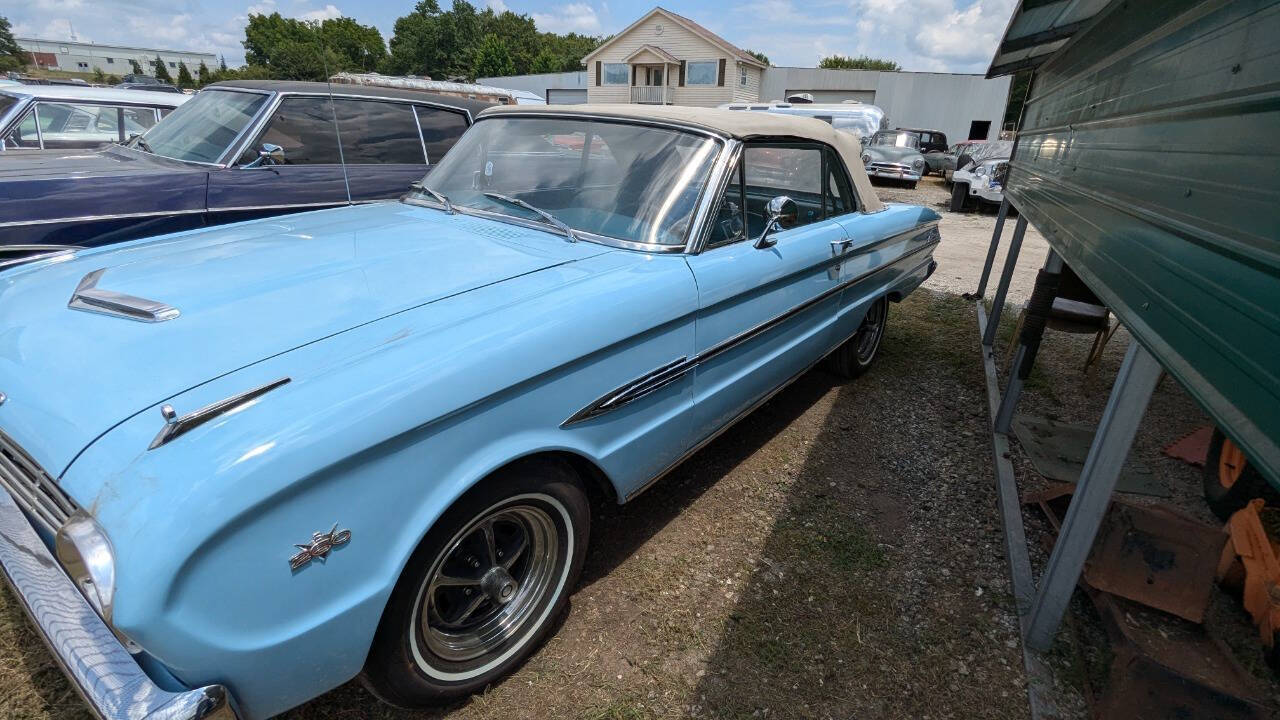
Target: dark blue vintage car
(235,151)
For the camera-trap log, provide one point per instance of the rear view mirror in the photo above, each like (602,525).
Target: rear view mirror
(270,154)
(781,214)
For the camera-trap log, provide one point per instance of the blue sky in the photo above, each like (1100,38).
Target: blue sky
(937,35)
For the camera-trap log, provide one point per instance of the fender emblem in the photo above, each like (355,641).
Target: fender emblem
(319,547)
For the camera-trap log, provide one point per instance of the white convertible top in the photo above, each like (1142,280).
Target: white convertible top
(730,123)
(71,93)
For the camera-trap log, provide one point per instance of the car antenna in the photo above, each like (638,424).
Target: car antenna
(333,111)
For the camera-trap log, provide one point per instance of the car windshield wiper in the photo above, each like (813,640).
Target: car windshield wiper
(551,219)
(438,197)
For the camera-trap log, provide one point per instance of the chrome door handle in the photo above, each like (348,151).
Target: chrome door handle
(840,247)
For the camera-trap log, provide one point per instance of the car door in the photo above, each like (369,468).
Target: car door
(765,314)
(309,176)
(381,146)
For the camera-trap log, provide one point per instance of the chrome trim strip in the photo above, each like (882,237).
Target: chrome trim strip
(38,248)
(250,129)
(421,140)
(755,405)
(88,218)
(90,298)
(176,427)
(33,258)
(100,669)
(671,372)
(294,205)
(645,384)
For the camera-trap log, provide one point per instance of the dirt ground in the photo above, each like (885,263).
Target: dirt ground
(836,554)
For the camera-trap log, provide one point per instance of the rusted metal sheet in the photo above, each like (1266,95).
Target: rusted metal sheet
(1147,554)
(1147,158)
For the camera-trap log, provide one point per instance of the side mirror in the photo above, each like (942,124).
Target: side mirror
(781,214)
(270,154)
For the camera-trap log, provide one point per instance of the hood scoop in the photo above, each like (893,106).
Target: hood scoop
(91,298)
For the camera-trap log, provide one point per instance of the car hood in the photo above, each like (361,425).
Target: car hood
(244,292)
(46,185)
(891,153)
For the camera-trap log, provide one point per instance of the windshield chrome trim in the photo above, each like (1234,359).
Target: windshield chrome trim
(721,172)
(603,117)
(176,427)
(88,297)
(251,128)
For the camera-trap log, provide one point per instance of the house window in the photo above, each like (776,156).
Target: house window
(62,49)
(111,61)
(702,72)
(615,74)
(172,64)
(82,65)
(742,77)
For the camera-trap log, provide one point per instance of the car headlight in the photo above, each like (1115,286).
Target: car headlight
(85,553)
(917,164)
(866,159)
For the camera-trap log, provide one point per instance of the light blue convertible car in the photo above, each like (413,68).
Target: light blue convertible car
(242,465)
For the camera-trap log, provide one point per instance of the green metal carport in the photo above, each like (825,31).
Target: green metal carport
(1149,158)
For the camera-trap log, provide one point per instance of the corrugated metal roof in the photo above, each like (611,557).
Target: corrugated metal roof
(1038,28)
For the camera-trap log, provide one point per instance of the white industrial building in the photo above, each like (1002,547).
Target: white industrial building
(666,58)
(111,59)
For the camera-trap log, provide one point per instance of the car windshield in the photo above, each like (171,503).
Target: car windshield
(202,129)
(998,149)
(897,139)
(617,180)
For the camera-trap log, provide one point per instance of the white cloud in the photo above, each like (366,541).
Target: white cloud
(497,6)
(328,12)
(574,17)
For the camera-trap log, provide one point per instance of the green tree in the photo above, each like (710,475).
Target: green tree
(113,79)
(862,62)
(11,56)
(291,60)
(162,72)
(99,77)
(135,68)
(202,75)
(264,33)
(759,56)
(184,76)
(493,59)
(359,47)
(222,63)
(546,62)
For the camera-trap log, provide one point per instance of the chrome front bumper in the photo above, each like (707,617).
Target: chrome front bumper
(891,170)
(99,667)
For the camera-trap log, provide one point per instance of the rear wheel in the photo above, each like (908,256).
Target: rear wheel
(854,357)
(1229,481)
(483,588)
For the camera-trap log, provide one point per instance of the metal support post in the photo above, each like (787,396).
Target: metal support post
(1006,276)
(991,251)
(1009,403)
(1128,403)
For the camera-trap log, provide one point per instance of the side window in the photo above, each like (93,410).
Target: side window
(795,171)
(440,130)
(730,222)
(24,135)
(839,191)
(63,125)
(137,120)
(303,126)
(376,133)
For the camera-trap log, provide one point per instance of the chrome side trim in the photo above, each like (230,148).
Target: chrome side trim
(100,669)
(175,427)
(673,371)
(90,298)
(750,408)
(87,218)
(645,384)
(38,248)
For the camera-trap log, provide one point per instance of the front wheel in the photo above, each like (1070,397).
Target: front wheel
(959,194)
(854,357)
(1230,482)
(483,588)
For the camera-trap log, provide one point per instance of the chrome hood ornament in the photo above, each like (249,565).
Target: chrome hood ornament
(91,298)
(319,547)
(175,426)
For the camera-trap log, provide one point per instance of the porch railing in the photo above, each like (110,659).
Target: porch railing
(648,94)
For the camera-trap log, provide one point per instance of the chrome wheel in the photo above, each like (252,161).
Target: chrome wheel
(867,339)
(492,577)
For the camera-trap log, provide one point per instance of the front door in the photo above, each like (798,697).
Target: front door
(309,177)
(767,314)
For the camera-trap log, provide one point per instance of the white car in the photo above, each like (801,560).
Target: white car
(42,117)
(982,178)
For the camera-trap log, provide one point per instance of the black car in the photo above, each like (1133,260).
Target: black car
(930,140)
(234,151)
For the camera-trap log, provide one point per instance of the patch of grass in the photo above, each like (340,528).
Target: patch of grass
(621,709)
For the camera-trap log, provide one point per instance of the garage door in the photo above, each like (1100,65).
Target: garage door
(835,96)
(572,96)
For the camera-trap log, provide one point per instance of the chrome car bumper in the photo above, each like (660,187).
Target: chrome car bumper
(891,170)
(104,673)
